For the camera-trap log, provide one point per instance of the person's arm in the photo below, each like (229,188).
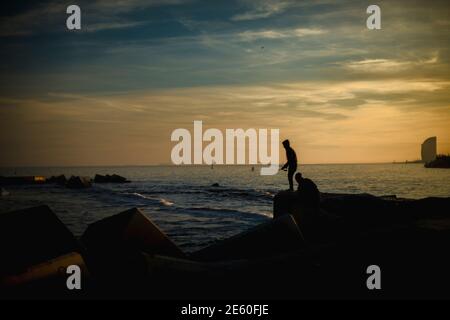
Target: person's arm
(287,161)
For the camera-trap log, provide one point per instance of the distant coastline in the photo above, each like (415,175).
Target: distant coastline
(441,161)
(201,165)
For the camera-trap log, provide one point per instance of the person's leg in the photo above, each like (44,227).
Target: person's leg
(290,178)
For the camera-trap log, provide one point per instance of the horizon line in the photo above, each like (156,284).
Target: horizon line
(199,165)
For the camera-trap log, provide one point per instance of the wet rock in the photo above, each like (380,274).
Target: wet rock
(110,179)
(79,182)
(22,180)
(61,180)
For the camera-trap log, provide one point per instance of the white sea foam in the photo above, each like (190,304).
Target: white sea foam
(162,201)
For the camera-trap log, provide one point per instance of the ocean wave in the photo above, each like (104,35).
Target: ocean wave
(222,192)
(161,201)
(165,202)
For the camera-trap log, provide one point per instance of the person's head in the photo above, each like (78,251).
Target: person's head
(298,177)
(286,143)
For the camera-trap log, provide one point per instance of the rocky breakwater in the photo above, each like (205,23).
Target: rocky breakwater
(74,182)
(323,253)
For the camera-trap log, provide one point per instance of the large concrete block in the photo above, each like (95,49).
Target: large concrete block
(278,236)
(132,230)
(117,247)
(31,237)
(51,274)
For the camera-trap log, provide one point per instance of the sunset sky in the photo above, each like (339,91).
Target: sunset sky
(112,93)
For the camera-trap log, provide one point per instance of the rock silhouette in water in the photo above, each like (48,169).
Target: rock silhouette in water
(110,179)
(79,182)
(61,180)
(22,180)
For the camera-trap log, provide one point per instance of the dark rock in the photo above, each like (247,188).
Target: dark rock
(347,216)
(118,179)
(271,238)
(130,229)
(215,185)
(79,182)
(408,239)
(100,178)
(343,205)
(31,237)
(441,161)
(47,278)
(22,180)
(118,244)
(291,202)
(285,202)
(110,179)
(357,206)
(61,180)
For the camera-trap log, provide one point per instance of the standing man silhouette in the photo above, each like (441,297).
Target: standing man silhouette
(291,163)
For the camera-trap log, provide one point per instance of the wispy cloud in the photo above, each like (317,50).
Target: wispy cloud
(310,66)
(29,22)
(310,113)
(103,15)
(267,34)
(113,25)
(279,34)
(386,65)
(378,65)
(130,5)
(262,9)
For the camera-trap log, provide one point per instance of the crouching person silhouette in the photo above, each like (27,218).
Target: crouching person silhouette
(308,194)
(304,204)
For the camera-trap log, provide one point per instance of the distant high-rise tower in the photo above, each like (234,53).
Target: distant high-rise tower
(429,149)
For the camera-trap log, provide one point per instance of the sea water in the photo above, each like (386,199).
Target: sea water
(184,202)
